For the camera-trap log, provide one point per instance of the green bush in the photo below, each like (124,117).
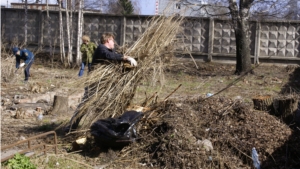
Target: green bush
(20,162)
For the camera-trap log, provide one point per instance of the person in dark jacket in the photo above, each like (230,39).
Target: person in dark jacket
(104,54)
(27,56)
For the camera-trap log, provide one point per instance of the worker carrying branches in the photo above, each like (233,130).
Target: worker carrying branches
(27,56)
(104,55)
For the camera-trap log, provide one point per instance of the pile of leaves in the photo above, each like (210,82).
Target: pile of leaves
(175,133)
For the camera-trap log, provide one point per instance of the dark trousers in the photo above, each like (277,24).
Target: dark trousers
(26,71)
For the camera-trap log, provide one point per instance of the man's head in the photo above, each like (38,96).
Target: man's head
(15,50)
(108,40)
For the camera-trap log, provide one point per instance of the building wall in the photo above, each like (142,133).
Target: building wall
(205,38)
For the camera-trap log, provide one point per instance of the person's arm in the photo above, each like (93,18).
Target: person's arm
(94,47)
(110,54)
(83,48)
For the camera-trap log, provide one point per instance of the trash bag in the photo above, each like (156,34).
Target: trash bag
(116,132)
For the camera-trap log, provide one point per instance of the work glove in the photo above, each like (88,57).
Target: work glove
(132,61)
(22,64)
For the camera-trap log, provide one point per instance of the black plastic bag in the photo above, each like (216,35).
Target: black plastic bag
(116,132)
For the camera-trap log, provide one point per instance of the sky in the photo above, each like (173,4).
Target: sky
(147,6)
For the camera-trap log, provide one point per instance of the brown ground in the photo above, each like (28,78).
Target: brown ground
(173,136)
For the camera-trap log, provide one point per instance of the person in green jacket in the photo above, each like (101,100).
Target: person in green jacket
(87,50)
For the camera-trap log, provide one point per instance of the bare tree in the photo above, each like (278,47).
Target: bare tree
(80,23)
(274,9)
(61,34)
(69,54)
(111,6)
(240,12)
(137,7)
(98,5)
(240,19)
(122,7)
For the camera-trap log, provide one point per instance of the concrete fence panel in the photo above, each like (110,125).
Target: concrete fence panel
(270,41)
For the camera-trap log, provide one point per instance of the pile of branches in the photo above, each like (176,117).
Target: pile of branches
(115,85)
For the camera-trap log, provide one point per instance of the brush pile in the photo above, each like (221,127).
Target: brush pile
(114,85)
(209,133)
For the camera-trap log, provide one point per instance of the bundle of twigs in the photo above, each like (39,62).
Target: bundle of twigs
(114,86)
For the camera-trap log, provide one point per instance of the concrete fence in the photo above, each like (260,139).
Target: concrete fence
(206,38)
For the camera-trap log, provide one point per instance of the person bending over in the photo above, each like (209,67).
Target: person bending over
(27,56)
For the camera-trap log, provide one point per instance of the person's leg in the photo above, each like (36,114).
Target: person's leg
(27,71)
(81,69)
(90,66)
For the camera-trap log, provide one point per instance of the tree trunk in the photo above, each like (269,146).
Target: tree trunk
(69,54)
(26,20)
(61,35)
(263,103)
(71,33)
(60,105)
(243,58)
(80,21)
(240,17)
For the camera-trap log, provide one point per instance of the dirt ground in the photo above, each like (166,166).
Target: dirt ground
(186,129)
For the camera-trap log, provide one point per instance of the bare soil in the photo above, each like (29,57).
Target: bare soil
(181,126)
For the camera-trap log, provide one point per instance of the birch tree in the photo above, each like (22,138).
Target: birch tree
(69,54)
(71,37)
(61,35)
(240,12)
(80,23)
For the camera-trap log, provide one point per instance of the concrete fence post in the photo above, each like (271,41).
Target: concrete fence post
(123,31)
(257,43)
(211,39)
(41,28)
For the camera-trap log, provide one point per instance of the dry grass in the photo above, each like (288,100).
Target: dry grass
(8,60)
(112,87)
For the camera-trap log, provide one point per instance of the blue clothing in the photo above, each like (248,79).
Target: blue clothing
(26,71)
(82,68)
(28,58)
(25,55)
